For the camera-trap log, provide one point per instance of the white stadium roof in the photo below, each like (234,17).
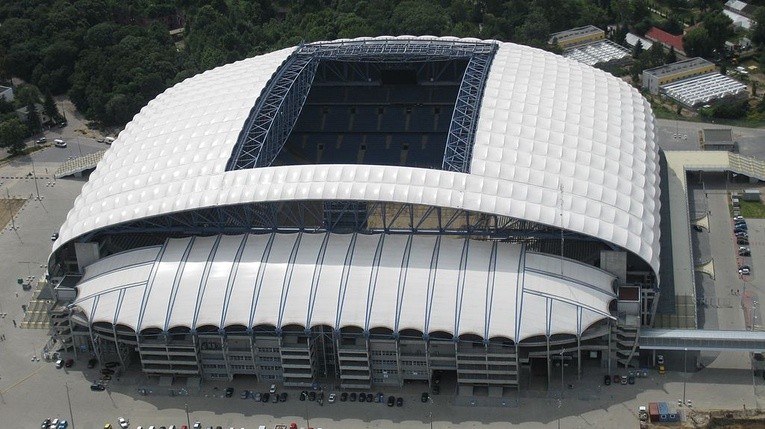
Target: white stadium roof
(398,282)
(557,142)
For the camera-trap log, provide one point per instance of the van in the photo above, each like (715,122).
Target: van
(109,140)
(59,143)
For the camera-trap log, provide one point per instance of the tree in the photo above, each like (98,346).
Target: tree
(697,43)
(27,94)
(12,133)
(49,107)
(419,18)
(754,88)
(33,119)
(671,56)
(637,49)
(719,28)
(758,31)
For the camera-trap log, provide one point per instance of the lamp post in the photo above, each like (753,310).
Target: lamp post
(69,401)
(685,371)
(188,421)
(561,371)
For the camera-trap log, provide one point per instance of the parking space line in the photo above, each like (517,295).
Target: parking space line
(22,380)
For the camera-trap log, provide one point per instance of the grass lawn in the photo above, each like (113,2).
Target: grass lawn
(752,209)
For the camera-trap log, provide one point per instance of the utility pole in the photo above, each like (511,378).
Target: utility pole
(69,400)
(10,210)
(34,176)
(188,421)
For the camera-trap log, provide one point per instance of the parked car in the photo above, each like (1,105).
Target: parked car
(362,397)
(624,379)
(62,424)
(343,396)
(631,379)
(352,397)
(660,359)
(97,387)
(745,270)
(245,394)
(370,397)
(274,398)
(303,395)
(400,402)
(45,424)
(265,397)
(697,228)
(59,143)
(616,378)
(738,217)
(41,140)
(424,397)
(607,380)
(92,363)
(380,397)
(229,391)
(69,363)
(112,364)
(744,251)
(311,395)
(331,398)
(743,241)
(256,396)
(124,423)
(59,363)
(283,397)
(272,389)
(391,401)
(662,370)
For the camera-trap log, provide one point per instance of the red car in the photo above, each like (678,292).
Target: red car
(69,363)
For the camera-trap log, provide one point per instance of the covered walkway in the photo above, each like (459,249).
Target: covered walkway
(702,340)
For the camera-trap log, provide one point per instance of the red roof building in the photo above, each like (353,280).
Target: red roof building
(666,39)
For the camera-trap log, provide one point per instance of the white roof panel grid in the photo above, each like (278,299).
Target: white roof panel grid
(121,261)
(471,290)
(172,156)
(215,285)
(353,310)
(412,299)
(300,280)
(163,283)
(130,306)
(323,309)
(597,52)
(632,40)
(703,89)
(242,292)
(132,275)
(738,19)
(272,285)
(385,283)
(442,300)
(191,282)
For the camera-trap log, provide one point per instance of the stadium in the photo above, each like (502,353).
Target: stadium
(373,212)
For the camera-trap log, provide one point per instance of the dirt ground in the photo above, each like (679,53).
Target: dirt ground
(718,419)
(7,207)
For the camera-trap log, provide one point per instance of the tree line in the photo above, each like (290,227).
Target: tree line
(111,57)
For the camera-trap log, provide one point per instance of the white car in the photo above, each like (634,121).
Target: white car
(660,359)
(59,143)
(197,425)
(272,389)
(124,423)
(331,398)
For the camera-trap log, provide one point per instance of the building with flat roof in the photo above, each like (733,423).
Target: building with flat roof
(577,36)
(668,40)
(655,78)
(372,211)
(6,92)
(601,53)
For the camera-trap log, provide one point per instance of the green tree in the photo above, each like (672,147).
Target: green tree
(671,56)
(697,43)
(637,49)
(34,125)
(758,31)
(419,18)
(12,133)
(49,107)
(27,94)
(719,28)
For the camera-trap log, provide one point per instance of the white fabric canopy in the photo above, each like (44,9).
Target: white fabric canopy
(425,283)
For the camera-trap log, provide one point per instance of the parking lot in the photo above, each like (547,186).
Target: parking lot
(33,389)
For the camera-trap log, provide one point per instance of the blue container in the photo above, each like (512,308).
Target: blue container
(663,408)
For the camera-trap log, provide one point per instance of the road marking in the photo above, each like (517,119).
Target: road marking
(22,380)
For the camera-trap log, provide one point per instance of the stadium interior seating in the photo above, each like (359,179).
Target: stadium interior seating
(380,121)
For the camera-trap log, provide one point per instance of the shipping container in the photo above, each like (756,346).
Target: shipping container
(653,412)
(663,408)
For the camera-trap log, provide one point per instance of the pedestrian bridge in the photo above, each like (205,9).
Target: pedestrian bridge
(702,340)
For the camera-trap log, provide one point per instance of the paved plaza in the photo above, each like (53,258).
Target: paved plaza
(34,389)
